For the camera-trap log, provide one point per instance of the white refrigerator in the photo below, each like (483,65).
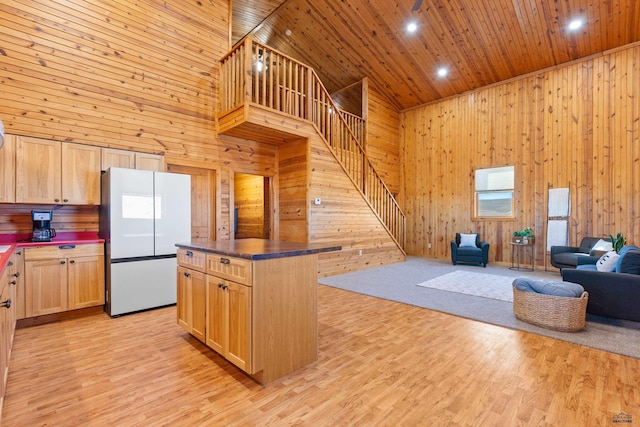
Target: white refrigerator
(143,214)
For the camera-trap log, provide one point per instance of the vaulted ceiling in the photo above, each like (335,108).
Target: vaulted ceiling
(480,42)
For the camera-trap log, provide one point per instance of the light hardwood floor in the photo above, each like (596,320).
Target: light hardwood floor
(380,363)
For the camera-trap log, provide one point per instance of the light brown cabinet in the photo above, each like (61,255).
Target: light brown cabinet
(80,174)
(61,278)
(7,326)
(229,321)
(113,157)
(38,171)
(261,315)
(192,302)
(16,274)
(51,172)
(8,170)
(150,162)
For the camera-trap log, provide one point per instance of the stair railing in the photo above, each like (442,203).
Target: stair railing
(254,74)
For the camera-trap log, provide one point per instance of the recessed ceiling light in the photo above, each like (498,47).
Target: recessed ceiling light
(443,71)
(575,24)
(412,27)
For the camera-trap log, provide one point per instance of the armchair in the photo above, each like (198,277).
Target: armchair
(464,250)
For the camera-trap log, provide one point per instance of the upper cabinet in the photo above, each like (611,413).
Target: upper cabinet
(38,171)
(51,172)
(43,171)
(112,157)
(80,174)
(150,162)
(7,170)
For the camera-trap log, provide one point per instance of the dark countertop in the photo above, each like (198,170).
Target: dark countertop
(257,249)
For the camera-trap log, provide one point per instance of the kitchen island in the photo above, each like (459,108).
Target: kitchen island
(253,301)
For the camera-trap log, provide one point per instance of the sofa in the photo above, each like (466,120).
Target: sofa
(567,256)
(611,294)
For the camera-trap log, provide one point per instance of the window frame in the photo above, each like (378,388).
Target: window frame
(501,190)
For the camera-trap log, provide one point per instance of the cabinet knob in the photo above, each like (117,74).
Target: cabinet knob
(222,286)
(186,274)
(189,253)
(66,200)
(17,274)
(72,261)
(57,200)
(6,304)
(13,282)
(63,262)
(224,260)
(10,263)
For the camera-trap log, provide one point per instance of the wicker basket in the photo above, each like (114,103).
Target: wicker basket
(550,311)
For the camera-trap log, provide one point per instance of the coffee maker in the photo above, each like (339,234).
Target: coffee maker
(42,231)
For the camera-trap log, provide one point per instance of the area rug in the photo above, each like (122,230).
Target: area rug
(471,283)
(397,282)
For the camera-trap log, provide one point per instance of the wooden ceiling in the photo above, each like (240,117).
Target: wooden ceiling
(480,42)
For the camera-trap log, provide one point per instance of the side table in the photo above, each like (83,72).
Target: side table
(518,249)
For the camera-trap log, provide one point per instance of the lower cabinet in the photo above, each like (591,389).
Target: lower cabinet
(192,302)
(229,321)
(62,278)
(260,315)
(7,326)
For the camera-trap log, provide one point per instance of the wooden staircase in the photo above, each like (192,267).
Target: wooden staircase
(260,85)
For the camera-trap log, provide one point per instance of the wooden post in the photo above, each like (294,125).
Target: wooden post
(248,71)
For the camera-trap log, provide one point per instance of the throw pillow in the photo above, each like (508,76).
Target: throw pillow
(467,240)
(608,261)
(602,245)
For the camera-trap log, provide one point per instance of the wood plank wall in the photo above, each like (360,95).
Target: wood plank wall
(343,218)
(293,179)
(383,137)
(575,126)
(144,76)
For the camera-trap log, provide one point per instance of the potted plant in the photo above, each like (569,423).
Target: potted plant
(525,236)
(618,242)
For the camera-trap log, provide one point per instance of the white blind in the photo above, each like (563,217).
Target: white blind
(491,179)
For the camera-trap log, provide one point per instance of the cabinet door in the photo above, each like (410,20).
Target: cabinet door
(184,299)
(38,171)
(45,287)
(8,170)
(216,332)
(199,305)
(112,157)
(80,174)
(150,162)
(5,333)
(18,275)
(85,282)
(239,325)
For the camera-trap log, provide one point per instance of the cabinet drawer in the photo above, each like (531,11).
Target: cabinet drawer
(236,269)
(62,251)
(192,259)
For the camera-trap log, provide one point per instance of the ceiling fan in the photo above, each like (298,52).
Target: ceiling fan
(416,6)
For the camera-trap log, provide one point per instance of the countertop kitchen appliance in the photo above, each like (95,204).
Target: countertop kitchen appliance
(42,231)
(143,214)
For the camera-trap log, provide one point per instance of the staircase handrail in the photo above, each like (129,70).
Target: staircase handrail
(295,89)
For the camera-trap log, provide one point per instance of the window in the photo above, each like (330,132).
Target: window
(494,192)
